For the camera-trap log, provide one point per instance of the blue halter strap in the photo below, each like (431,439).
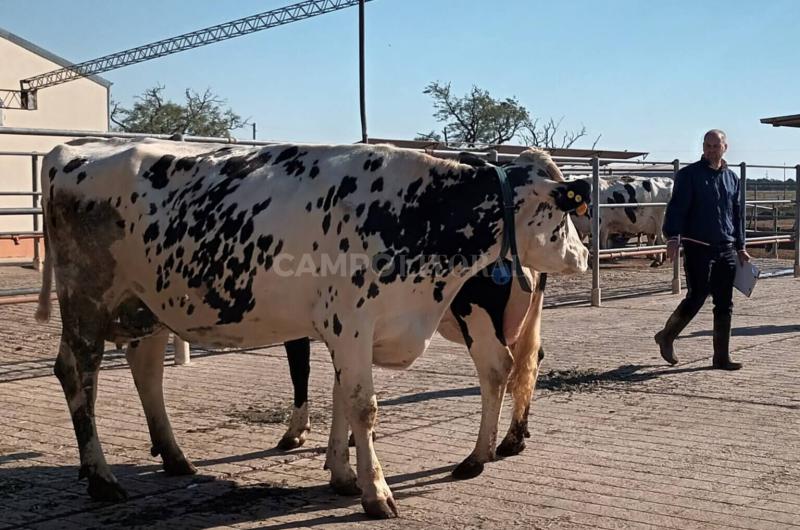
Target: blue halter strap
(500,272)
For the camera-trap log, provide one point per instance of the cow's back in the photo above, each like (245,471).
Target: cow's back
(200,233)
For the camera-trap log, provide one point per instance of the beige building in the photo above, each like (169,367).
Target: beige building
(78,105)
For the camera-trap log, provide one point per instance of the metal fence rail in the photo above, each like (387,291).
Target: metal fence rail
(34,211)
(595,166)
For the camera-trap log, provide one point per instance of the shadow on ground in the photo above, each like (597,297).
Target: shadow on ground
(751,331)
(43,495)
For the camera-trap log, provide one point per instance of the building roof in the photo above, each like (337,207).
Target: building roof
(512,149)
(792,120)
(50,56)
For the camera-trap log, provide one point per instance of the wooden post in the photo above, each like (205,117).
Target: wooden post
(182,353)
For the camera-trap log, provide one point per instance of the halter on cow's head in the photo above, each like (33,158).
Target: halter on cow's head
(546,239)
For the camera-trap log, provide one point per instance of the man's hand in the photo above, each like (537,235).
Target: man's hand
(672,250)
(744,257)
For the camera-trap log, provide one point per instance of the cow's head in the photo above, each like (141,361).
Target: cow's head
(546,238)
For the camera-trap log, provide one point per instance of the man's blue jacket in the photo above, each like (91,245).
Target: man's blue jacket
(705,206)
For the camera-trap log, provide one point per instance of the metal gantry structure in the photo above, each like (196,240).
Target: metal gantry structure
(25,98)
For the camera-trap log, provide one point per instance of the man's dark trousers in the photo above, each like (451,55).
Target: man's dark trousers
(709,270)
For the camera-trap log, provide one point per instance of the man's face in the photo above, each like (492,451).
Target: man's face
(714,147)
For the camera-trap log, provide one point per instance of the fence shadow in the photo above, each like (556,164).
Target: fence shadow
(751,331)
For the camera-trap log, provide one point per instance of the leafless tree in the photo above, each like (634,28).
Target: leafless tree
(548,134)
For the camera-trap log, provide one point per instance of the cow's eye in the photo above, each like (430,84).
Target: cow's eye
(570,194)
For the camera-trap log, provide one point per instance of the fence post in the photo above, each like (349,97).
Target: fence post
(797,221)
(37,258)
(181,348)
(775,229)
(491,155)
(743,201)
(596,297)
(676,265)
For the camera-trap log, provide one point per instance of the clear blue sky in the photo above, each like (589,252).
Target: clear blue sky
(647,75)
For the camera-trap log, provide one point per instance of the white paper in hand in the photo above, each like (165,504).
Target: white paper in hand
(746,276)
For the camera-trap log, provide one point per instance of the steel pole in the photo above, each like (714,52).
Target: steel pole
(776,254)
(797,221)
(596,293)
(37,258)
(743,201)
(676,265)
(362,84)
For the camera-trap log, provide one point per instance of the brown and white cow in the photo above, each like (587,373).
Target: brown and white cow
(494,318)
(370,243)
(496,321)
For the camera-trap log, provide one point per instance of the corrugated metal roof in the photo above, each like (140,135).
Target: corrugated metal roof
(792,120)
(50,56)
(513,149)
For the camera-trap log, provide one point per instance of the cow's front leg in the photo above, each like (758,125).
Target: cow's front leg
(493,362)
(352,362)
(298,353)
(76,368)
(146,360)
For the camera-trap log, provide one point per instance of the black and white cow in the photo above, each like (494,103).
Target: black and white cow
(496,322)
(632,220)
(370,243)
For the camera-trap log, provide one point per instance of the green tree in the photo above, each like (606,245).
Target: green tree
(477,118)
(200,115)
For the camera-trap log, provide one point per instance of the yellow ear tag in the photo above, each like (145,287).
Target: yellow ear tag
(578,198)
(570,194)
(581,209)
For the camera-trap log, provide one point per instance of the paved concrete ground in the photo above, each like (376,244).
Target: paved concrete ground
(619,440)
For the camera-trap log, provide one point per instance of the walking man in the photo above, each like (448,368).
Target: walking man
(703,215)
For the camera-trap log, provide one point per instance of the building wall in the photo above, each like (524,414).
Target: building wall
(77,105)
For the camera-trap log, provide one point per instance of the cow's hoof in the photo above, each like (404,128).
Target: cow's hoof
(291,442)
(346,488)
(509,447)
(380,509)
(105,490)
(179,466)
(469,468)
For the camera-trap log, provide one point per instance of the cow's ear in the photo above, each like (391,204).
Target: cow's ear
(572,196)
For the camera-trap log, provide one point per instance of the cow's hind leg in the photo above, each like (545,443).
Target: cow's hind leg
(521,383)
(528,353)
(76,368)
(146,360)
(298,353)
(658,257)
(493,362)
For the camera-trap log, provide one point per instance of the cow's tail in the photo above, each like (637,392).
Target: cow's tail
(45,305)
(526,350)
